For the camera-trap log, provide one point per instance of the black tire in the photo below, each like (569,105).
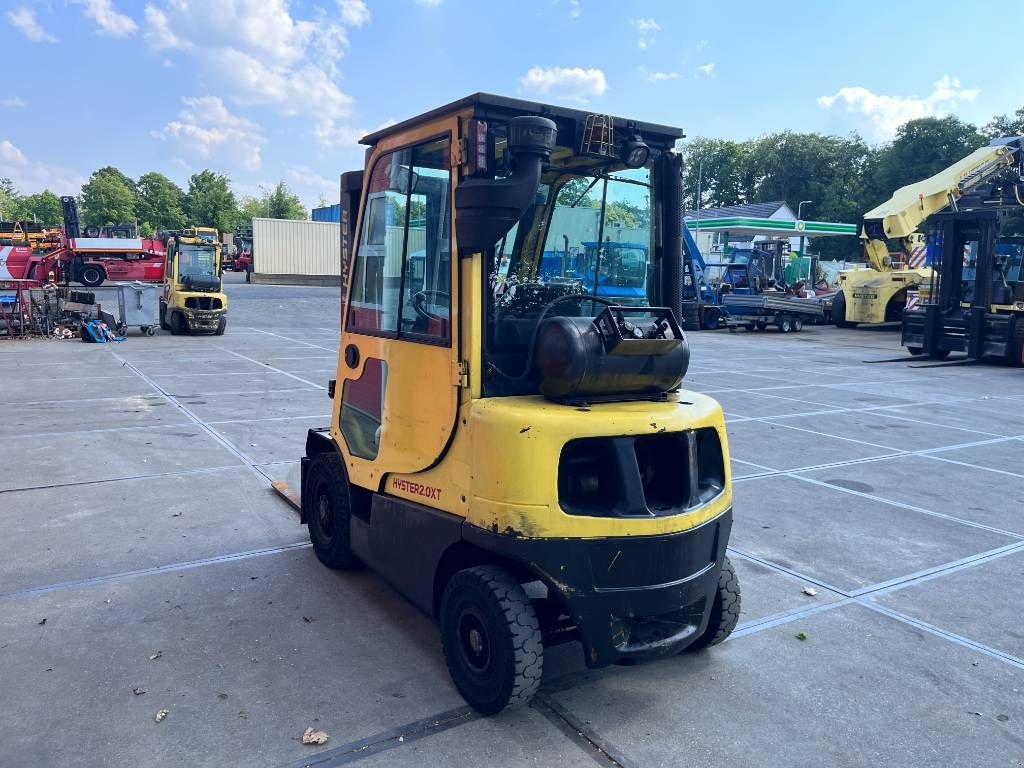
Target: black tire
(221,326)
(327,507)
(761,325)
(725,609)
(163,318)
(939,354)
(149,330)
(712,321)
(91,276)
(798,325)
(915,351)
(92,231)
(492,640)
(179,327)
(839,312)
(784,324)
(750,326)
(248,275)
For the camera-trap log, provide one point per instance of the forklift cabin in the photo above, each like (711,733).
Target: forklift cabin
(509,448)
(976,294)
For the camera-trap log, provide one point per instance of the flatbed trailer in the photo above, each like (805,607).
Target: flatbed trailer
(759,310)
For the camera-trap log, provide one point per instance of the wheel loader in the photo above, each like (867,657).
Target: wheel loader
(510,446)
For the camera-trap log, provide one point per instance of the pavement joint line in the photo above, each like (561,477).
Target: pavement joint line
(974,645)
(788,571)
(177,473)
(928,574)
(272,418)
(933,457)
(837,437)
(296,341)
(814,467)
(583,736)
(272,368)
(97,430)
(156,569)
(354,751)
(910,507)
(757,626)
(246,460)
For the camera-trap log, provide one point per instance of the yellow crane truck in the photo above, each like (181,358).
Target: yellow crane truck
(509,448)
(878,294)
(193,299)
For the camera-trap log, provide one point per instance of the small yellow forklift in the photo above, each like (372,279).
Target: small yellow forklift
(509,443)
(192,299)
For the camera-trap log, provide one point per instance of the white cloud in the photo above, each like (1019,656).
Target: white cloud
(646,29)
(701,45)
(887,113)
(159,34)
(706,70)
(575,11)
(304,176)
(261,55)
(568,83)
(657,77)
(205,130)
(30,176)
(110,21)
(13,102)
(25,20)
(354,12)
(429,3)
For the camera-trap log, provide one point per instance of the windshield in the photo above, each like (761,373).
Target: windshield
(588,232)
(196,261)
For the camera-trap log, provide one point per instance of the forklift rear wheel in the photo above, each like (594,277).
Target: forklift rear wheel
(328,510)
(725,610)
(492,640)
(178,324)
(784,324)
(798,324)
(221,326)
(915,351)
(939,354)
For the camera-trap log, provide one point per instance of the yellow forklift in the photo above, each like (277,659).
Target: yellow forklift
(508,447)
(193,299)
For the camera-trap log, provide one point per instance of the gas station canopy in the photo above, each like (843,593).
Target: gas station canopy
(773,227)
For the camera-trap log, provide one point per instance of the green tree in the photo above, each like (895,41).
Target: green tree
(210,201)
(161,203)
(620,214)
(252,208)
(720,169)
(8,199)
(284,204)
(108,198)
(44,207)
(576,189)
(1005,125)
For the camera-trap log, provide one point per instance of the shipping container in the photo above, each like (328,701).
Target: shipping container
(289,251)
(327,213)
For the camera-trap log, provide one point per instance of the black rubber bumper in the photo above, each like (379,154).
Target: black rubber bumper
(632,598)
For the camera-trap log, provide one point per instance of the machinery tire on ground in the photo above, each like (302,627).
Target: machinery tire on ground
(798,325)
(784,323)
(712,321)
(915,351)
(725,612)
(327,506)
(91,276)
(839,311)
(178,325)
(492,640)
(221,326)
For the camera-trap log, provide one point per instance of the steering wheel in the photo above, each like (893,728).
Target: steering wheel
(419,304)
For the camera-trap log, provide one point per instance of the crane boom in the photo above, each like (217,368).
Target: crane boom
(900,216)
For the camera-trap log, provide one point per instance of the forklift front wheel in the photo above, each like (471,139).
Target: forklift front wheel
(178,324)
(328,510)
(492,640)
(915,351)
(725,610)
(221,326)
(939,354)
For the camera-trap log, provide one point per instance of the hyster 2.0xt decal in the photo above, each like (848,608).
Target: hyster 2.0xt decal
(407,486)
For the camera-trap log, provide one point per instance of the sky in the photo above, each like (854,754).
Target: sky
(269,90)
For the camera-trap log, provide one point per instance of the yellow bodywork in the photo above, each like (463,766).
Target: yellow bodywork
(494,461)
(175,295)
(869,291)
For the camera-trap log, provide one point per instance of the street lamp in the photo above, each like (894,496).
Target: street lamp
(266,196)
(799,209)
